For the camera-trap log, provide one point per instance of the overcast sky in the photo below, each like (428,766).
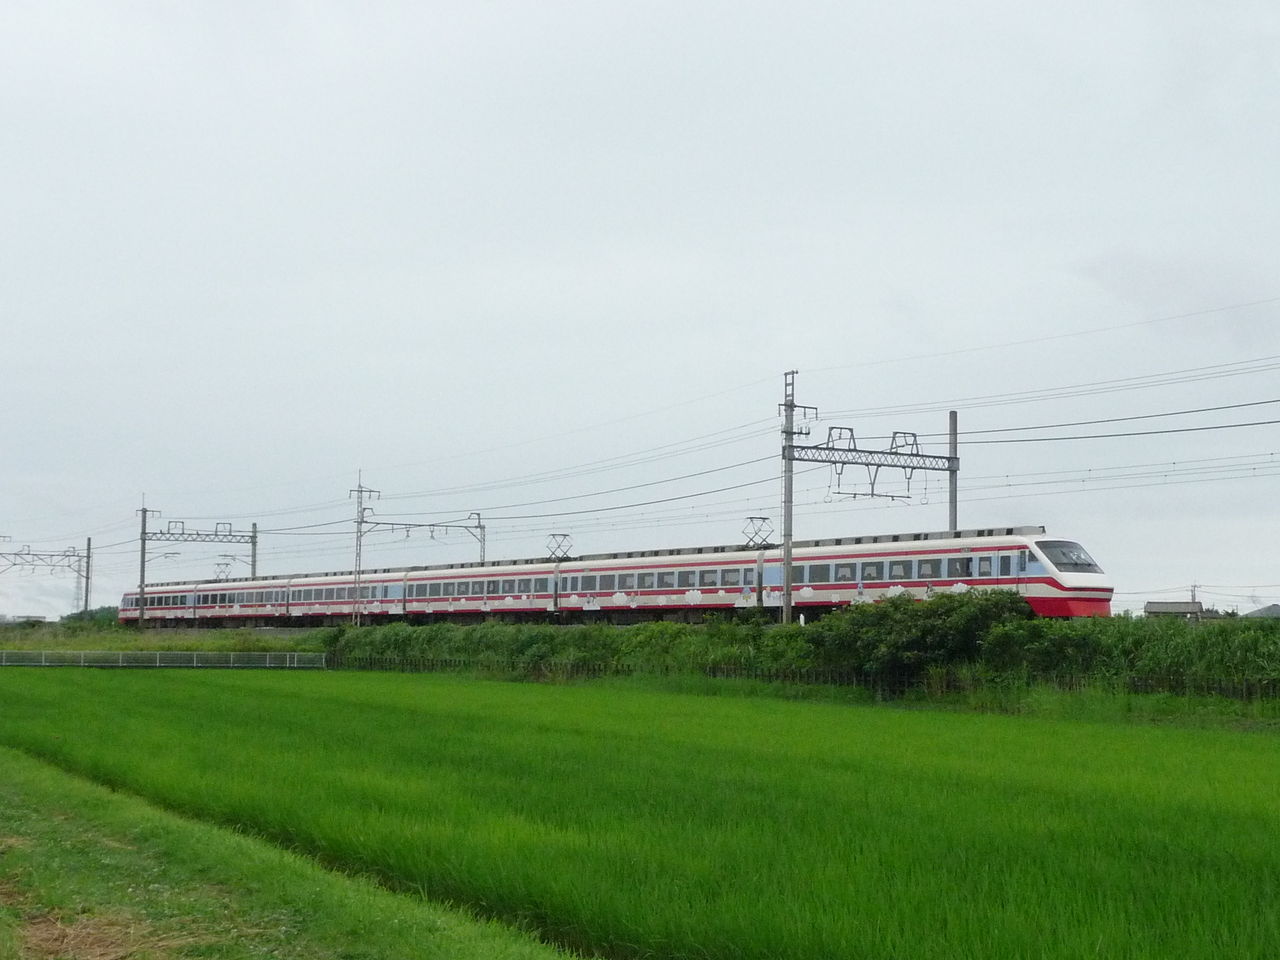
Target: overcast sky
(499,254)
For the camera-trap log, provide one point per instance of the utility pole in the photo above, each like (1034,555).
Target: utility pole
(142,564)
(789,432)
(841,450)
(88,570)
(953,475)
(361,512)
(253,552)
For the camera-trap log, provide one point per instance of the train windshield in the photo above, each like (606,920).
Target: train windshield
(1067,556)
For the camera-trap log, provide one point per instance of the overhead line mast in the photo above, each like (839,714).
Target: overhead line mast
(361,512)
(841,450)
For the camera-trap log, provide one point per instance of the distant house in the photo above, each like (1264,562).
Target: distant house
(1271,612)
(1187,609)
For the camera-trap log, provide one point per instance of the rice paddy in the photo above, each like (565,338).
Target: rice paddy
(635,823)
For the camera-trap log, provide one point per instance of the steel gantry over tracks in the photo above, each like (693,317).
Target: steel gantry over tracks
(841,450)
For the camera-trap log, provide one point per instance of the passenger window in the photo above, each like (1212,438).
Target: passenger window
(666,579)
(607,580)
(573,584)
(749,577)
(873,571)
(731,578)
(960,566)
(900,569)
(797,573)
(708,578)
(644,581)
(685,578)
(930,568)
(433,589)
(523,585)
(447,588)
(626,581)
(508,587)
(491,588)
(1006,565)
(540,584)
(846,572)
(589,583)
(984,566)
(820,573)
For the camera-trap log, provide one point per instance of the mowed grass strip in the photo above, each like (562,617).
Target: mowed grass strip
(636,823)
(90,873)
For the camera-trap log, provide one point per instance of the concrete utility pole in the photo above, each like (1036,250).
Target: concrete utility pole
(142,564)
(88,570)
(789,432)
(362,511)
(953,474)
(841,450)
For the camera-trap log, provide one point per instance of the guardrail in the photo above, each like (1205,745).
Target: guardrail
(163,658)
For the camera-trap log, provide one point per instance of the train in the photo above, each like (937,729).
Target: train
(1057,577)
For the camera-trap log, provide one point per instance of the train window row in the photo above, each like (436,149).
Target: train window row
(368,591)
(479,588)
(161,600)
(867,571)
(659,580)
(909,568)
(240,596)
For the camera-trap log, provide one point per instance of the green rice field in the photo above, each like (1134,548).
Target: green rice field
(626,822)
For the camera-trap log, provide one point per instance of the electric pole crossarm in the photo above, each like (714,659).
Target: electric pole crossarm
(872,458)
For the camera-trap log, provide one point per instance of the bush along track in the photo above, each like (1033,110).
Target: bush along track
(897,643)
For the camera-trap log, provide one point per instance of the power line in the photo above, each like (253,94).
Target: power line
(1052,337)
(1089,388)
(1088,423)
(1135,433)
(602,493)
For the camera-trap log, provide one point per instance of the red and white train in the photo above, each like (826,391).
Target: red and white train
(1057,577)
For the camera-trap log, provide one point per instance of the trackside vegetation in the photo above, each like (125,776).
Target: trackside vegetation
(631,823)
(985,634)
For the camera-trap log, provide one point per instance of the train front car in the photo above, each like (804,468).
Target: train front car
(1062,580)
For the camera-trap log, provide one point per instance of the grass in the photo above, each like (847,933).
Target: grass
(89,637)
(633,822)
(89,873)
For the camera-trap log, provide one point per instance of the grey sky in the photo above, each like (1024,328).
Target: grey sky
(252,248)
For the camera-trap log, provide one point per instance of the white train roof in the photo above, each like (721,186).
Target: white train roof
(477,566)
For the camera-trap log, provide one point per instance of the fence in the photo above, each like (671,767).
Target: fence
(162,658)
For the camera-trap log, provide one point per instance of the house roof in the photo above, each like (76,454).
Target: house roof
(1272,611)
(1179,607)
